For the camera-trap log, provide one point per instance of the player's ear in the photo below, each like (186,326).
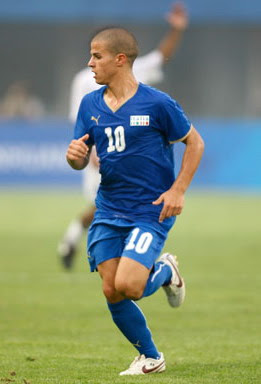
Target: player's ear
(121,59)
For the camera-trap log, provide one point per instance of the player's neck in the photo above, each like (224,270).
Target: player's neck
(118,92)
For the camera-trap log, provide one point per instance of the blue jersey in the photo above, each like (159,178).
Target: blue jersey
(134,145)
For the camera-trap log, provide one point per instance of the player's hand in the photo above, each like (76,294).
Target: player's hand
(178,17)
(173,204)
(77,149)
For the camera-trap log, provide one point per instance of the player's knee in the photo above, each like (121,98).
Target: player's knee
(109,292)
(128,290)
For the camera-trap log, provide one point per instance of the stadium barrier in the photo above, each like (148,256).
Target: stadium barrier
(32,153)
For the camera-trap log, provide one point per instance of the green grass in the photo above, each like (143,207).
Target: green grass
(55,327)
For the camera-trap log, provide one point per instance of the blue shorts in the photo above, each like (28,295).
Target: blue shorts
(138,241)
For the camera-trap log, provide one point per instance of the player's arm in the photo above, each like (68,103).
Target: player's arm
(78,153)
(190,161)
(173,199)
(178,22)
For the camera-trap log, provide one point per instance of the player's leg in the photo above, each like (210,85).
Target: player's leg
(107,271)
(144,246)
(130,281)
(68,245)
(125,313)
(130,320)
(166,274)
(135,280)
(103,255)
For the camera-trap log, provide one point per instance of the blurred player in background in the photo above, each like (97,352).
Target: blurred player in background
(19,102)
(148,69)
(133,127)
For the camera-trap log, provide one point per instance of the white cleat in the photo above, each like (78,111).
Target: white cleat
(142,366)
(175,291)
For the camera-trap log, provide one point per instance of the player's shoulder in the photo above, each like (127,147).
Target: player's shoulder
(94,96)
(158,96)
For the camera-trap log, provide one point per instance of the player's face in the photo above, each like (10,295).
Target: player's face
(102,63)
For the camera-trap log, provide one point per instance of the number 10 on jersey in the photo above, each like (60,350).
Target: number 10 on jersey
(116,139)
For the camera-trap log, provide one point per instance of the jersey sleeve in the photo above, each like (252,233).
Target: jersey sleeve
(82,125)
(173,121)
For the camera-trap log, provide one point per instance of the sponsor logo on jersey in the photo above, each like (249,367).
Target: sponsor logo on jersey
(139,120)
(96,119)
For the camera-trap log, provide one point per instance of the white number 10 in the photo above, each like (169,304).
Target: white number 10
(142,244)
(119,145)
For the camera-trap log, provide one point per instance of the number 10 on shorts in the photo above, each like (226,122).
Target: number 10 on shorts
(138,242)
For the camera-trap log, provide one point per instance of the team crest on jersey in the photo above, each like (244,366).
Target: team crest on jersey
(139,120)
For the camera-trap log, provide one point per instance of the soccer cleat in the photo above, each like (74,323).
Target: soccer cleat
(66,252)
(175,290)
(142,366)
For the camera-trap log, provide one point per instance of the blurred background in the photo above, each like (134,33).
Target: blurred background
(215,75)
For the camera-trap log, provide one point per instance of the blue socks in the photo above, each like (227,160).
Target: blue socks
(161,275)
(130,320)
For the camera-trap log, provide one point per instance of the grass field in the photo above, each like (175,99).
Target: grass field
(55,327)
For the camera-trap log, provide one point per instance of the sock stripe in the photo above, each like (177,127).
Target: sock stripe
(157,272)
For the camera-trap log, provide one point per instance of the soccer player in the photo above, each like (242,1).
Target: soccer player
(149,70)
(133,127)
